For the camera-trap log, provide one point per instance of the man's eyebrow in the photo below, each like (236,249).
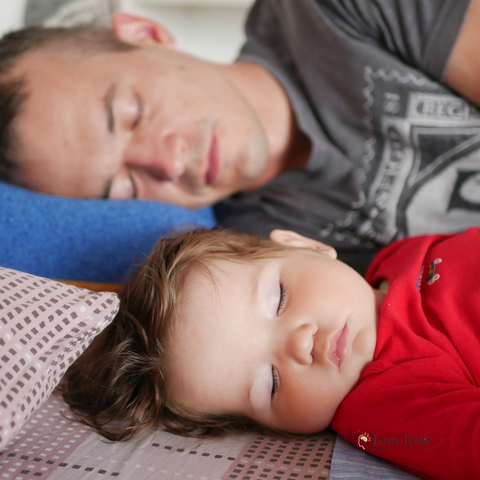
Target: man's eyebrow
(108,101)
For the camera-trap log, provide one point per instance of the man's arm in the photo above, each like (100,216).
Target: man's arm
(463,71)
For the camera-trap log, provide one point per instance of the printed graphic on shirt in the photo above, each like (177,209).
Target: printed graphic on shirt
(418,282)
(432,274)
(422,163)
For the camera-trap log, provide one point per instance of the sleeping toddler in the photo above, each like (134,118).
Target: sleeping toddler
(221,332)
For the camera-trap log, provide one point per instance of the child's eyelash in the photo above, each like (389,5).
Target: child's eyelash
(283,294)
(275,381)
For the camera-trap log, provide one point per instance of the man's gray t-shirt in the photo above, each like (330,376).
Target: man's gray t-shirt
(394,151)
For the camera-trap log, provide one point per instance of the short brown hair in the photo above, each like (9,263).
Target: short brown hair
(14,89)
(118,385)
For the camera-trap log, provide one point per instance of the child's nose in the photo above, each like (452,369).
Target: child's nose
(300,343)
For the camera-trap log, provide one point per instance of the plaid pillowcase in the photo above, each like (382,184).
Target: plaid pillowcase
(44,327)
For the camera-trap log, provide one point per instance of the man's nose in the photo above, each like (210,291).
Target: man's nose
(300,343)
(164,158)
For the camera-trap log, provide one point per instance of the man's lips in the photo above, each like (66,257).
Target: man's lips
(213,167)
(337,346)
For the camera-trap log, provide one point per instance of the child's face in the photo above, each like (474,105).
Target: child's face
(280,340)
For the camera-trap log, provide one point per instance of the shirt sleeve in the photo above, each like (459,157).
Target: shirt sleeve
(422,32)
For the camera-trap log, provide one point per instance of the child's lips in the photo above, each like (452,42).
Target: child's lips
(337,347)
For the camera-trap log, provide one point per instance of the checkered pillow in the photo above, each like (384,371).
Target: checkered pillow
(44,326)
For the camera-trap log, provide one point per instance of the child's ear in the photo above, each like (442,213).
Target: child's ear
(139,31)
(293,239)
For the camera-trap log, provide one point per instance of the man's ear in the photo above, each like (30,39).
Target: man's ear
(141,31)
(292,239)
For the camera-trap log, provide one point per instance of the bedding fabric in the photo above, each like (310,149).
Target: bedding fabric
(52,446)
(88,240)
(44,327)
(350,463)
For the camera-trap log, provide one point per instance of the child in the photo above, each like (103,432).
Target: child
(223,332)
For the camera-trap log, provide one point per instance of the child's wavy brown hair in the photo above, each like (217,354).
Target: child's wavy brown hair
(117,386)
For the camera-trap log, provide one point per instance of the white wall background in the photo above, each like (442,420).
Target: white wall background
(215,33)
(211,32)
(11,14)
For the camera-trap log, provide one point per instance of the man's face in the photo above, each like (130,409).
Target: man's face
(151,123)
(280,340)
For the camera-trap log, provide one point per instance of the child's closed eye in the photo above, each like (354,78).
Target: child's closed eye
(275,383)
(283,295)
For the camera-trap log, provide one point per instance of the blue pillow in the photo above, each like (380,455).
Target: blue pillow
(84,239)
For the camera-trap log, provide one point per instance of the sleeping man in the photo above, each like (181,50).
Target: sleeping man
(348,122)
